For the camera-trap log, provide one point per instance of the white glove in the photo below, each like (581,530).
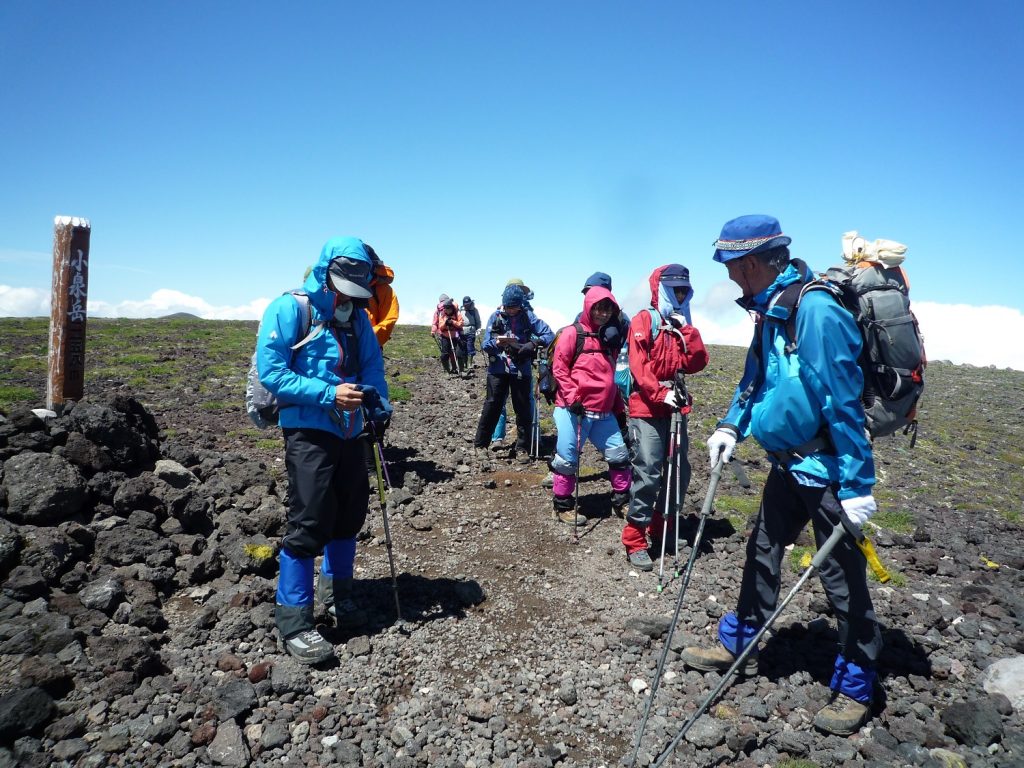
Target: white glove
(721,443)
(672,399)
(860,509)
(677,320)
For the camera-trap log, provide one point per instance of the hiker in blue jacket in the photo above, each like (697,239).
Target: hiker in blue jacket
(326,379)
(803,407)
(513,334)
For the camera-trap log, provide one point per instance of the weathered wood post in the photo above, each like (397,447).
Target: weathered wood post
(66,363)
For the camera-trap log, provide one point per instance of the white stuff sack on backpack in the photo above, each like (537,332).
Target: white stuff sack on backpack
(857,249)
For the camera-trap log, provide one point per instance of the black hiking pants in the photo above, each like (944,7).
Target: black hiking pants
(328,490)
(499,386)
(786,506)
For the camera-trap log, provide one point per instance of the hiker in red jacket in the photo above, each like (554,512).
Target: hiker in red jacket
(663,346)
(587,402)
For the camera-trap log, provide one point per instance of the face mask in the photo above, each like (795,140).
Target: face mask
(343,312)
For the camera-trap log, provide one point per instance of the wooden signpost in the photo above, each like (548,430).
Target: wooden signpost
(66,364)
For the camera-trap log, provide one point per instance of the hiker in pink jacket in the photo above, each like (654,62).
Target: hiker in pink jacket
(583,364)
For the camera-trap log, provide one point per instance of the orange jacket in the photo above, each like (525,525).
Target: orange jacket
(383,305)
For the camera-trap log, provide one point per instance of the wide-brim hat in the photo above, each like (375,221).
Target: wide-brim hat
(350,277)
(748,234)
(675,275)
(598,279)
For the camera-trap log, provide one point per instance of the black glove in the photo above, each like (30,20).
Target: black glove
(377,407)
(576,409)
(527,348)
(611,337)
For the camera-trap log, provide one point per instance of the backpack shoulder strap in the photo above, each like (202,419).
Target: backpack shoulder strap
(655,322)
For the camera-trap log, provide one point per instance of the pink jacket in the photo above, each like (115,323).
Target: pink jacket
(591,380)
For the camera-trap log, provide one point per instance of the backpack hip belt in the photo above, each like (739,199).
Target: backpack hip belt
(819,444)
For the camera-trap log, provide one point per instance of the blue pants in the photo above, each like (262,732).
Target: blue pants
(602,432)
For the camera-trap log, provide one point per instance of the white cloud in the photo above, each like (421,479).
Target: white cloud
(23,302)
(977,335)
(167,302)
(959,333)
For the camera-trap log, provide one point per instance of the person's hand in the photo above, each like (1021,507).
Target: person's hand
(860,509)
(677,320)
(576,409)
(722,443)
(527,348)
(672,399)
(347,397)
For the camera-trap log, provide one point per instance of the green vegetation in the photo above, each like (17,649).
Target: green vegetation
(737,509)
(13,396)
(399,393)
(800,558)
(797,762)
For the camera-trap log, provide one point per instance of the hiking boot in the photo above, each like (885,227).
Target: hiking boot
(640,560)
(569,517)
(842,716)
(717,659)
(670,542)
(309,647)
(548,481)
(337,595)
(620,500)
(524,458)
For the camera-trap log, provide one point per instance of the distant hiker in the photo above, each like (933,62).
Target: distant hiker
(382,306)
(470,325)
(500,428)
(447,330)
(663,347)
(803,406)
(586,402)
(325,380)
(510,341)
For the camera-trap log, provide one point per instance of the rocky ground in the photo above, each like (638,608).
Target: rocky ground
(137,579)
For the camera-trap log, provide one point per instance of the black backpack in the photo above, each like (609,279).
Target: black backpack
(261,405)
(892,357)
(546,383)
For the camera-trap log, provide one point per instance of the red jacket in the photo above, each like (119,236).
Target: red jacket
(591,379)
(651,363)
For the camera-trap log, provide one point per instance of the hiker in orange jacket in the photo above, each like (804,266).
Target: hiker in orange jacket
(382,306)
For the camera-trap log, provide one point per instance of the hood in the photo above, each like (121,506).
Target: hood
(382,273)
(590,298)
(315,284)
(664,300)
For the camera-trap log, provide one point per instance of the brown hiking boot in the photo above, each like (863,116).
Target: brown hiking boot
(842,716)
(717,659)
(569,517)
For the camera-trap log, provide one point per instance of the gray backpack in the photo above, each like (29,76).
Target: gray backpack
(893,358)
(262,405)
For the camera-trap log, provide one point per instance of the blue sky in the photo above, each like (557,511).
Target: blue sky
(216,146)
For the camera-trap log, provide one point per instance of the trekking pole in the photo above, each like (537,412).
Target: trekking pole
(716,474)
(576,490)
(381,467)
(826,549)
(669,466)
(535,429)
(677,417)
(455,358)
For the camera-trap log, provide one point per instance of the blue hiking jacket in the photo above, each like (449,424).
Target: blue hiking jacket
(306,385)
(814,390)
(527,327)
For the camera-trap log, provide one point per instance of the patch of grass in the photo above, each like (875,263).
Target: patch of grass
(898,520)
(737,509)
(896,579)
(27,364)
(797,762)
(399,394)
(215,405)
(269,443)
(11,396)
(800,558)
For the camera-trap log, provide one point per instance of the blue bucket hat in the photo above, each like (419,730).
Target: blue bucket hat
(748,234)
(598,279)
(512,296)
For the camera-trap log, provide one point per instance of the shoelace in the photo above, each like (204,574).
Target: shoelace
(311,637)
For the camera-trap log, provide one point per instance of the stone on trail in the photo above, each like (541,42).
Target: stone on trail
(228,746)
(1006,676)
(974,723)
